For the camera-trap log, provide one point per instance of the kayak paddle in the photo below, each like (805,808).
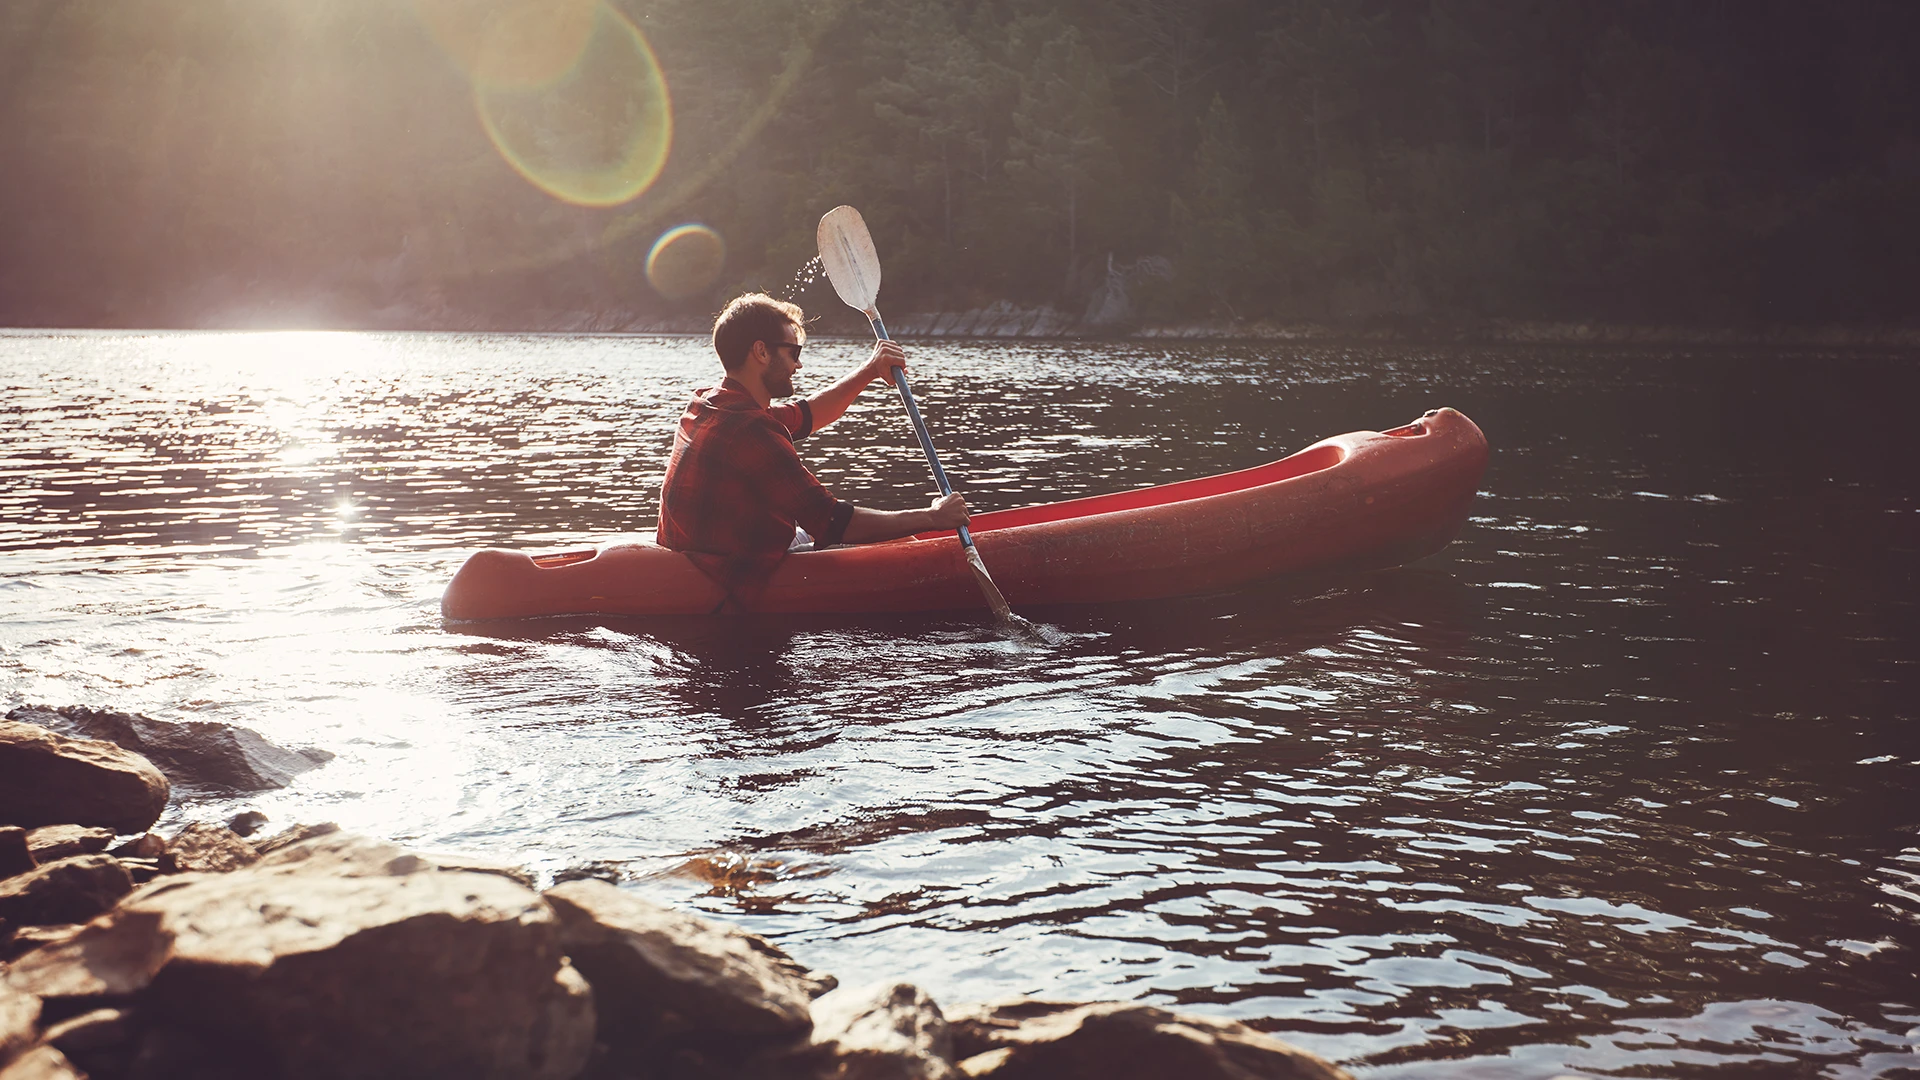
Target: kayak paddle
(846,250)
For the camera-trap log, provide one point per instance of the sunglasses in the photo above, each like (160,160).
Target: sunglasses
(786,345)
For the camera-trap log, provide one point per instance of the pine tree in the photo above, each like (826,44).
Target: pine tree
(1320,54)
(1211,219)
(1060,149)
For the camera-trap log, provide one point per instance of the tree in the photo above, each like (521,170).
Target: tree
(1060,147)
(1211,219)
(1322,51)
(940,102)
(1175,51)
(1637,94)
(1476,49)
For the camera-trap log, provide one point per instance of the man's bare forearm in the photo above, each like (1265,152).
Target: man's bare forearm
(828,404)
(873,526)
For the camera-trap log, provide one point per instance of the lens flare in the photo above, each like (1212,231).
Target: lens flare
(685,260)
(513,43)
(596,133)
(663,203)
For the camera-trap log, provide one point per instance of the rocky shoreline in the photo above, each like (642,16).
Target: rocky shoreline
(1007,320)
(312,953)
(1004,319)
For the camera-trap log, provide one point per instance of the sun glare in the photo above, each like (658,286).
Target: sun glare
(277,356)
(685,260)
(511,43)
(569,92)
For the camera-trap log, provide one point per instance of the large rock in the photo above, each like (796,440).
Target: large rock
(16,855)
(663,979)
(194,752)
(108,958)
(891,1032)
(67,891)
(213,849)
(344,854)
(326,850)
(293,835)
(19,1013)
(1044,1040)
(409,975)
(51,842)
(48,779)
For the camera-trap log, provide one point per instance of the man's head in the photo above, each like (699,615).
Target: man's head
(751,319)
(758,339)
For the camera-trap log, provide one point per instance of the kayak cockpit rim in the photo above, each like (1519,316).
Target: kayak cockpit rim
(1311,460)
(1314,459)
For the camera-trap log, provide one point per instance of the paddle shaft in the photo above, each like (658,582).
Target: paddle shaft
(919,425)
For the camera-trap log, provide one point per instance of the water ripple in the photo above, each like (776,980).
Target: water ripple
(1621,783)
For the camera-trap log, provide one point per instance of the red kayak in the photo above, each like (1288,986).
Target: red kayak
(1363,500)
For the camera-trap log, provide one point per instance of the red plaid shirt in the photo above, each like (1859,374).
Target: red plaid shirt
(735,489)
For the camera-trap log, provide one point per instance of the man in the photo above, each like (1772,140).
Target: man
(735,489)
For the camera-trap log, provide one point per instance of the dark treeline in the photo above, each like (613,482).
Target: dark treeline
(1720,162)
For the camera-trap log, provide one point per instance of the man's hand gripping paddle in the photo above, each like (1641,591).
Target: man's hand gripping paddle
(846,250)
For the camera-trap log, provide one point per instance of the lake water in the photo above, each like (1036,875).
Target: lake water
(1622,782)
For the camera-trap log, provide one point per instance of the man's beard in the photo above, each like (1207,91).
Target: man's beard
(783,388)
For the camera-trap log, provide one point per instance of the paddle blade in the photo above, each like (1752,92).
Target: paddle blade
(846,250)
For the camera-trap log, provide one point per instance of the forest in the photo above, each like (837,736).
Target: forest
(511,164)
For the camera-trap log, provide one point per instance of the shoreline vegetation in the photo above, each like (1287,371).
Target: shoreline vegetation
(313,952)
(1180,163)
(1007,321)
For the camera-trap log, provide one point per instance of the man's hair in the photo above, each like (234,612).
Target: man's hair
(750,318)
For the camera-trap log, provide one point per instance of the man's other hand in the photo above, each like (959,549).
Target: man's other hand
(873,526)
(887,355)
(949,512)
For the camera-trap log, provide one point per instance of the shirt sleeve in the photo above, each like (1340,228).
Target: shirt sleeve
(796,417)
(794,492)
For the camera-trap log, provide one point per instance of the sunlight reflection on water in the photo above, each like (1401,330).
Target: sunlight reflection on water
(1566,797)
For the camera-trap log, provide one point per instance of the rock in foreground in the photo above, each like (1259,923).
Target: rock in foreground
(1044,1040)
(212,849)
(107,958)
(894,1033)
(429,974)
(48,779)
(666,980)
(341,956)
(67,891)
(194,752)
(53,842)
